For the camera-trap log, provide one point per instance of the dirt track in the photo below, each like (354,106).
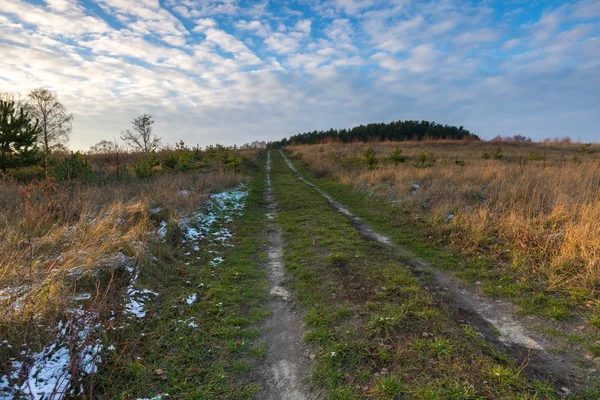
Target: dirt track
(288,359)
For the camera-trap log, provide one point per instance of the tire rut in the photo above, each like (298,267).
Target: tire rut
(288,362)
(494,318)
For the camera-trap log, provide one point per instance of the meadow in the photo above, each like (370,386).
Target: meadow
(146,276)
(532,207)
(73,249)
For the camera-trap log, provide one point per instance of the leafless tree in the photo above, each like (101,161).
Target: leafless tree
(103,147)
(141,137)
(54,121)
(108,152)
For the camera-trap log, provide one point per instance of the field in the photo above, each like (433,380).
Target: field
(535,208)
(425,270)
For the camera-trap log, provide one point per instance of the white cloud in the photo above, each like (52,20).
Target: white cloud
(250,70)
(256,27)
(478,36)
(289,40)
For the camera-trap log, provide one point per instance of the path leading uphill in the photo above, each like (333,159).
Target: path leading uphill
(288,363)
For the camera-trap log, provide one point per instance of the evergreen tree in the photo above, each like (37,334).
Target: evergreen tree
(18,136)
(396,130)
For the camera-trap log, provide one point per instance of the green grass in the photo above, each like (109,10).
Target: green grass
(216,359)
(379,334)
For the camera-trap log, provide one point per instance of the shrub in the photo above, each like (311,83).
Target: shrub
(170,161)
(396,157)
(186,161)
(26,174)
(72,167)
(231,160)
(425,160)
(145,167)
(535,157)
(498,154)
(370,158)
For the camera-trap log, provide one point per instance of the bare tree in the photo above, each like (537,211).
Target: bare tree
(103,147)
(54,121)
(108,152)
(141,137)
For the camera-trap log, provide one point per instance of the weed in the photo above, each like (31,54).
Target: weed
(435,348)
(388,388)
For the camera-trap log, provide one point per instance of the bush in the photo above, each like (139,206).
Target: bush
(145,167)
(498,154)
(535,157)
(425,160)
(72,167)
(370,158)
(26,174)
(396,157)
(231,160)
(186,161)
(170,162)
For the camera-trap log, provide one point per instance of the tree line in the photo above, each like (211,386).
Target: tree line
(396,130)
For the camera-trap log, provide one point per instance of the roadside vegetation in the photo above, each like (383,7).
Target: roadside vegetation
(379,333)
(200,338)
(93,245)
(70,257)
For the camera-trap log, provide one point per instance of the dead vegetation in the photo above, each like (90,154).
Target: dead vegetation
(65,243)
(535,207)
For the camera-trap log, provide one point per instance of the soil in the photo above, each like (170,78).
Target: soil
(288,360)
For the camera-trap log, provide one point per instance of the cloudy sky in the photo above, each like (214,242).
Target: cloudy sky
(229,71)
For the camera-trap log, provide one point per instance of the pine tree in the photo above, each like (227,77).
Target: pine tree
(18,136)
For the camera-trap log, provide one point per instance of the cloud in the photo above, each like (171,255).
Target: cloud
(230,71)
(256,27)
(289,40)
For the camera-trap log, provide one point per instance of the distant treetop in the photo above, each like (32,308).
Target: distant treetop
(397,130)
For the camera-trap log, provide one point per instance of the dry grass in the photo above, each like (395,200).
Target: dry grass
(60,240)
(540,202)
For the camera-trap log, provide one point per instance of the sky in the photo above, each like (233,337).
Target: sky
(234,71)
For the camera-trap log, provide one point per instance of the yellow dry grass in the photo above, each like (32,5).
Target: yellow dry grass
(58,240)
(540,201)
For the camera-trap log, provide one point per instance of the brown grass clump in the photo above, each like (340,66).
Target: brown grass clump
(538,201)
(61,240)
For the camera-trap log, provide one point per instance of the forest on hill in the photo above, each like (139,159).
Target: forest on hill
(396,130)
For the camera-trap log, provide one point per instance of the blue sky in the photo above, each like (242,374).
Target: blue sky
(231,72)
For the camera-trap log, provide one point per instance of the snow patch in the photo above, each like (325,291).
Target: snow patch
(190,300)
(47,373)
